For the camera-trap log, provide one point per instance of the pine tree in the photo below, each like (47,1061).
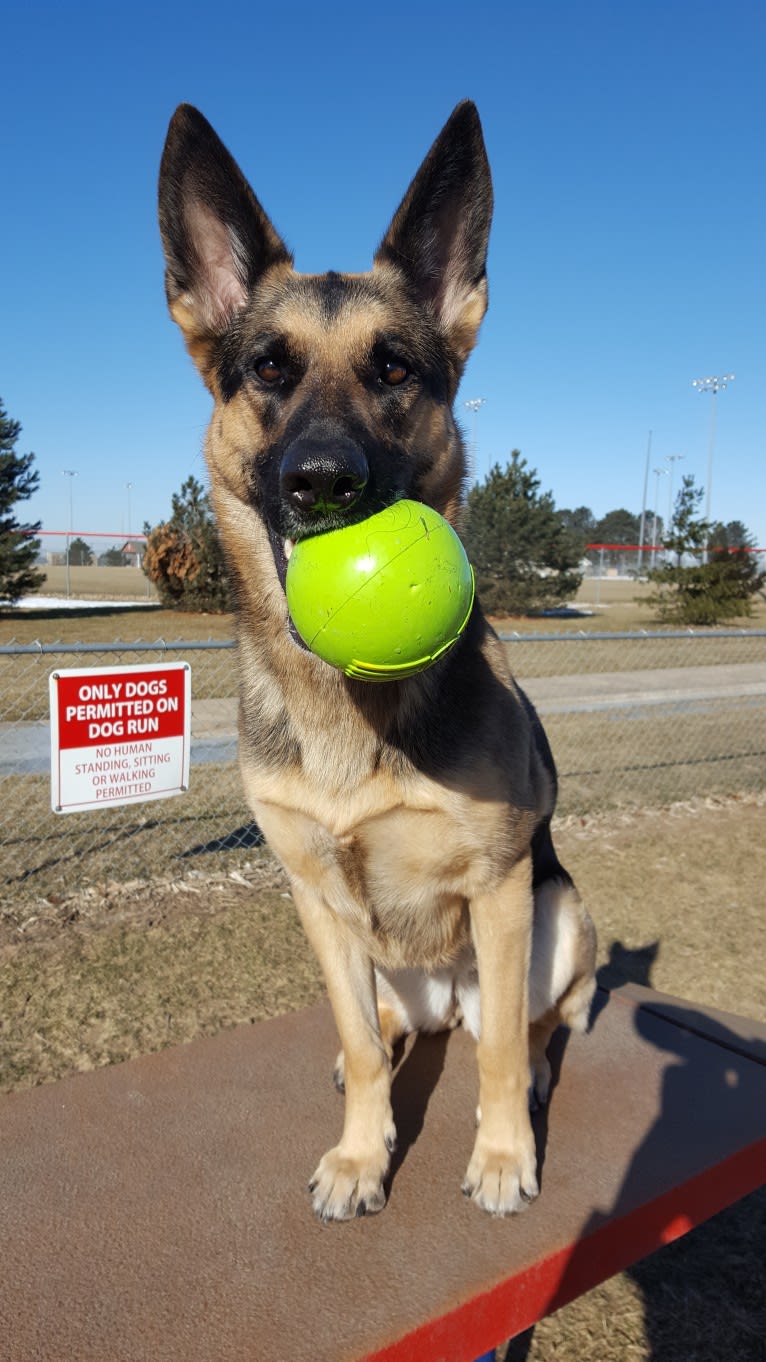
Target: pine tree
(113,557)
(524,557)
(581,522)
(80,553)
(183,555)
(18,547)
(703,593)
(617,527)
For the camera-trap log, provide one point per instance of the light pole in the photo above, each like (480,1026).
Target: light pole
(128,488)
(713,385)
(642,529)
(474,405)
(659,473)
(70,473)
(672,459)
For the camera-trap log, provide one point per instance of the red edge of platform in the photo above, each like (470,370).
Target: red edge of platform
(522,1300)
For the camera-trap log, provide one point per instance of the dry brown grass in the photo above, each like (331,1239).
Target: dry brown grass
(101,624)
(150,963)
(608,604)
(111,583)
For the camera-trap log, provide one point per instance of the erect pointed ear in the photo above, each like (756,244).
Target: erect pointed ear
(216,236)
(439,235)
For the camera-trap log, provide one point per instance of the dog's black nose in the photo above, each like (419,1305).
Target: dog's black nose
(318,476)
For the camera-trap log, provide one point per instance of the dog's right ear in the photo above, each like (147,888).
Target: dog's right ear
(216,236)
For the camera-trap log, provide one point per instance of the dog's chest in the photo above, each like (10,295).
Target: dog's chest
(400,875)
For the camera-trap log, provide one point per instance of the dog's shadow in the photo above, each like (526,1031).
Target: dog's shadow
(418,1067)
(417,1070)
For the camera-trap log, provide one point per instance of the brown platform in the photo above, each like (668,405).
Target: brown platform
(157,1211)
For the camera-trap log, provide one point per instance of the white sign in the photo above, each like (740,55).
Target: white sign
(119,735)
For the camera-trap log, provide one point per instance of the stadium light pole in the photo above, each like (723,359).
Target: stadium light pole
(659,473)
(642,529)
(672,459)
(128,489)
(714,384)
(70,473)
(474,405)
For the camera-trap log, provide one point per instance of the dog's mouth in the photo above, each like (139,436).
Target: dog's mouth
(282,544)
(281,548)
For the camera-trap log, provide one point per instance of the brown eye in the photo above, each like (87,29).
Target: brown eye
(394,372)
(268,371)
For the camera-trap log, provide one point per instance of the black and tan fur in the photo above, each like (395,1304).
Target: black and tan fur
(412,817)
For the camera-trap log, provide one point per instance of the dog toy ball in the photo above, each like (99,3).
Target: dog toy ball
(383,598)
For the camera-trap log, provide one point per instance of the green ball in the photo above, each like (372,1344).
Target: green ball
(384,598)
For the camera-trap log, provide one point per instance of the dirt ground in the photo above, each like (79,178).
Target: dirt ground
(99,976)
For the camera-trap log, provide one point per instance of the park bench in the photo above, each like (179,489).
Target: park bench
(158,1209)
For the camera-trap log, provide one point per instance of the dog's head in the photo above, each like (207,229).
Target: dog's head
(333,393)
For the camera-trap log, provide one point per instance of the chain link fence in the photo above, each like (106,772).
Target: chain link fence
(634,719)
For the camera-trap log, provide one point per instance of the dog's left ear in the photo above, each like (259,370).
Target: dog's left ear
(439,235)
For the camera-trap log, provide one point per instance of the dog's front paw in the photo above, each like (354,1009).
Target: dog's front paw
(502,1180)
(344,1186)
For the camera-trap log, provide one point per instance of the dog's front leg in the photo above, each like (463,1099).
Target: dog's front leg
(349,1179)
(502,1173)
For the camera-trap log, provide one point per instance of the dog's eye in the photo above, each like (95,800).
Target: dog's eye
(268,371)
(394,372)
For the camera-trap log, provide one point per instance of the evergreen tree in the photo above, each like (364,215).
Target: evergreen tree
(733,535)
(581,523)
(703,593)
(80,553)
(525,559)
(183,555)
(113,557)
(18,547)
(617,527)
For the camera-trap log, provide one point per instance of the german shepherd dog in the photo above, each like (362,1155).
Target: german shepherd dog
(412,817)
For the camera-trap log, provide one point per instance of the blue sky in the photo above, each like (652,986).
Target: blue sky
(627,257)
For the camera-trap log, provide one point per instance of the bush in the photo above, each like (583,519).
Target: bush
(183,555)
(702,593)
(708,593)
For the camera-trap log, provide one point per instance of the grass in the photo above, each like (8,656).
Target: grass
(601,603)
(153,962)
(43,854)
(607,760)
(110,583)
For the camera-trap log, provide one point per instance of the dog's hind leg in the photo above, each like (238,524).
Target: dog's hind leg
(392,1028)
(540,1034)
(412,1000)
(562,972)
